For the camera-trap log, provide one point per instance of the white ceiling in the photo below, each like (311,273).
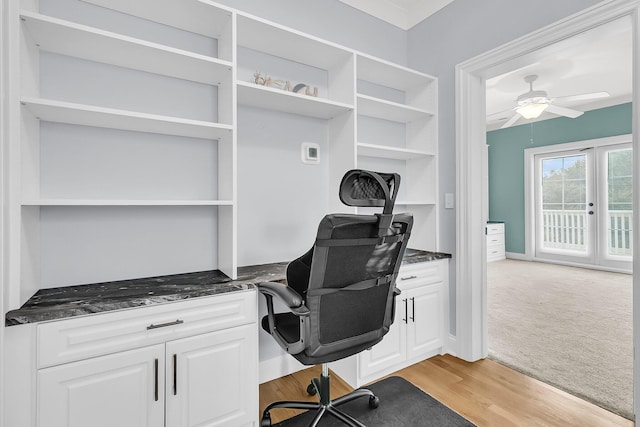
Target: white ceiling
(401,13)
(597,60)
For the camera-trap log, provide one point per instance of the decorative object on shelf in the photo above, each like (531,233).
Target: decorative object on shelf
(267,81)
(301,88)
(258,79)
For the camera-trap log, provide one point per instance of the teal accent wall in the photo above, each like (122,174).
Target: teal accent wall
(506,159)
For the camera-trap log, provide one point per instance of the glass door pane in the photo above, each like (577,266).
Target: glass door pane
(563,211)
(619,166)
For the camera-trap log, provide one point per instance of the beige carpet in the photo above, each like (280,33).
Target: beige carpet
(569,327)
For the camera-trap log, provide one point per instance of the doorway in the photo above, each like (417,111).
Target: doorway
(471,182)
(582,206)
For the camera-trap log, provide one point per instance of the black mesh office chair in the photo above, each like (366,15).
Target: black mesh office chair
(341,293)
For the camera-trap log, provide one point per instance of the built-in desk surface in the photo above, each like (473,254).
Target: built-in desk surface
(69,301)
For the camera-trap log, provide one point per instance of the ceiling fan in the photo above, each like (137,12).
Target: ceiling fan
(531,104)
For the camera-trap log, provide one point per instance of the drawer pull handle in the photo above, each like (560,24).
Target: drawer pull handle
(406,311)
(163,325)
(408,277)
(413,309)
(155,392)
(175,374)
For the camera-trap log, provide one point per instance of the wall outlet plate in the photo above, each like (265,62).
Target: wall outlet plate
(310,153)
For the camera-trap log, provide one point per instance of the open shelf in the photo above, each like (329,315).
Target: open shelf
(111,202)
(387,152)
(388,110)
(273,39)
(68,38)
(197,16)
(289,102)
(385,73)
(88,115)
(415,202)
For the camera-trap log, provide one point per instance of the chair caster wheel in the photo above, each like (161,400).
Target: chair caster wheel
(374,402)
(266,420)
(311,390)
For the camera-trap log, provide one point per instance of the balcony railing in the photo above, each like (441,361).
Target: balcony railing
(568,230)
(620,233)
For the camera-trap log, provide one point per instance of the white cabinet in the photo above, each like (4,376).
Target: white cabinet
(425,323)
(114,390)
(203,379)
(495,241)
(418,331)
(211,379)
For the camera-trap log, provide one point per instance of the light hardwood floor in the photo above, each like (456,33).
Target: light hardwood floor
(484,392)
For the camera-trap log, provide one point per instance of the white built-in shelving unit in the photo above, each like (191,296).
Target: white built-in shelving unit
(397,128)
(117,150)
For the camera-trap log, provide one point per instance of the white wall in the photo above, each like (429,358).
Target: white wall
(333,21)
(460,31)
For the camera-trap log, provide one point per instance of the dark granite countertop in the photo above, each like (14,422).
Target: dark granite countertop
(70,301)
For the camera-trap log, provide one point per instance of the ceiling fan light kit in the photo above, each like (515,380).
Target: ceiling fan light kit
(532,111)
(533,103)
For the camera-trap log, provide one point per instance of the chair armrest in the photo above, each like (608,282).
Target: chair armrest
(286,294)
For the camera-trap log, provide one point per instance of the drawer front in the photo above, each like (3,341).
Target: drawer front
(495,229)
(495,240)
(89,336)
(495,253)
(422,273)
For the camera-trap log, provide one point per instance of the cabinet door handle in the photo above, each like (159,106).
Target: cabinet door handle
(156,379)
(164,325)
(175,374)
(408,277)
(406,311)
(413,309)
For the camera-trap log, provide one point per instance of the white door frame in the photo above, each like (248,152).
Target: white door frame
(471,173)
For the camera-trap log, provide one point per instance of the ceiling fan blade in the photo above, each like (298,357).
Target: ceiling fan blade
(583,97)
(499,114)
(511,121)
(562,111)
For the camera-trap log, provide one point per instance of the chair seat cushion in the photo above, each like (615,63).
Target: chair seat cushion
(288,324)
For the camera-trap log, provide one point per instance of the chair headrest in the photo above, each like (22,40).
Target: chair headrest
(364,188)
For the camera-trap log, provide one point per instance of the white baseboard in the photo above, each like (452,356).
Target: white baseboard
(277,367)
(518,256)
(524,257)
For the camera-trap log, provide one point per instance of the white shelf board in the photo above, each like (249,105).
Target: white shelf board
(387,74)
(68,38)
(124,202)
(388,110)
(268,37)
(414,203)
(197,16)
(88,115)
(289,102)
(387,152)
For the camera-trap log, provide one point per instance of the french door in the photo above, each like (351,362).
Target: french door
(583,206)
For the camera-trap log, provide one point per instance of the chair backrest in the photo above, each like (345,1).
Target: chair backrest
(353,268)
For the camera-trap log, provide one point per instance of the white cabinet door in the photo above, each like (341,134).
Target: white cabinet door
(424,330)
(391,351)
(125,389)
(212,379)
